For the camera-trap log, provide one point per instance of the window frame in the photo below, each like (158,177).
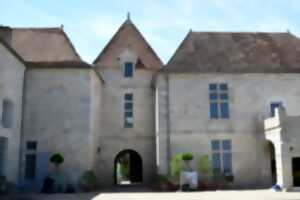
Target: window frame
(130,73)
(30,173)
(31,145)
(219,101)
(222,152)
(128,110)
(7,117)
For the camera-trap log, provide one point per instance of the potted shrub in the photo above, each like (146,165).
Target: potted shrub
(188,177)
(187,158)
(58,177)
(57,159)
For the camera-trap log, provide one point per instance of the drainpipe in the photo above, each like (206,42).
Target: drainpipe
(22,130)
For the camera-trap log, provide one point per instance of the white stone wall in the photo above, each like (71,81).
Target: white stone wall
(11,87)
(114,138)
(191,128)
(59,109)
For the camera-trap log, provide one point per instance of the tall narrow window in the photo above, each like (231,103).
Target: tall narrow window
(128,69)
(221,156)
(219,101)
(7,113)
(273,106)
(30,166)
(128,110)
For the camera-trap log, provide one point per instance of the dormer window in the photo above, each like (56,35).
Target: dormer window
(128,69)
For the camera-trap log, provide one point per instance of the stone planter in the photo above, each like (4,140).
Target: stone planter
(189,179)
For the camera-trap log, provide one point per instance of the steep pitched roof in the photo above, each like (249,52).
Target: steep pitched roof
(40,44)
(227,52)
(12,51)
(128,36)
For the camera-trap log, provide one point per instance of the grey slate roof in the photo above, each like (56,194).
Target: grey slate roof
(243,52)
(40,44)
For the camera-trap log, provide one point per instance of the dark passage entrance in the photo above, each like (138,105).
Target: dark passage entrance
(296,171)
(128,168)
(273,163)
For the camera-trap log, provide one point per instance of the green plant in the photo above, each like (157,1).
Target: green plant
(88,181)
(187,156)
(57,159)
(204,166)
(176,165)
(166,183)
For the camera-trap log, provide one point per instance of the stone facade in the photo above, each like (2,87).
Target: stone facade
(11,91)
(79,110)
(67,126)
(184,123)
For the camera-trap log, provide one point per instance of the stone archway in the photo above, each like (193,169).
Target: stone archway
(128,168)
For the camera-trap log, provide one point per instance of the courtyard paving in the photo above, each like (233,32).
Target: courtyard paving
(212,195)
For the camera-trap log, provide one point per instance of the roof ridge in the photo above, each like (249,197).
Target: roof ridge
(241,32)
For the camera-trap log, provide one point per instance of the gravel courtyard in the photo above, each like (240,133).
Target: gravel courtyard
(213,195)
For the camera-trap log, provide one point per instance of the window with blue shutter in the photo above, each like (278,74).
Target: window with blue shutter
(128,69)
(219,101)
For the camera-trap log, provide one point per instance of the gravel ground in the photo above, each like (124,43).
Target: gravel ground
(212,195)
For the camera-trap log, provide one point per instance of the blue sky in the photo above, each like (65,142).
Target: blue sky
(164,23)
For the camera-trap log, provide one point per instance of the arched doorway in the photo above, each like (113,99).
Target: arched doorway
(273,162)
(128,168)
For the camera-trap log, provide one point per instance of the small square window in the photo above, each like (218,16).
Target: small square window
(226,145)
(128,105)
(128,114)
(128,121)
(215,145)
(213,87)
(224,96)
(223,87)
(31,145)
(213,96)
(128,97)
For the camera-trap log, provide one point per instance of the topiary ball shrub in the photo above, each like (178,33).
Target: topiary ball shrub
(187,156)
(57,159)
